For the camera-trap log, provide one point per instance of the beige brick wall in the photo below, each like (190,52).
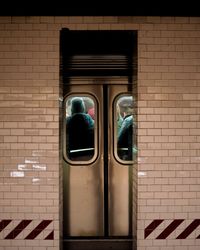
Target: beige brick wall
(169,125)
(168,83)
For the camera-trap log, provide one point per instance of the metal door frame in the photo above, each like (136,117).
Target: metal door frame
(126,242)
(119,49)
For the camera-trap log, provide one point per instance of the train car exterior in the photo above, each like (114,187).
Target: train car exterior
(151,202)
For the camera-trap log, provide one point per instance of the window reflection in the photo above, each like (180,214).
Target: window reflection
(126,128)
(80,128)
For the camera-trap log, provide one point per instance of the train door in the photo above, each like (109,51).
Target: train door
(98,182)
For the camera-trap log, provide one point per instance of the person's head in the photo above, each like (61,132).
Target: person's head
(89,103)
(91,113)
(77,105)
(126,105)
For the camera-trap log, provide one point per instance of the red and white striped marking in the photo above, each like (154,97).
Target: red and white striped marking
(26,229)
(157,229)
(175,229)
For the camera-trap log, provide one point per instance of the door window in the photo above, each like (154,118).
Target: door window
(125,128)
(80,127)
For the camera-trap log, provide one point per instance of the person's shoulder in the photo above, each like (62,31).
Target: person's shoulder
(129,118)
(89,118)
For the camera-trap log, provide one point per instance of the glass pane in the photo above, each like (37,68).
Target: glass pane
(126,128)
(80,123)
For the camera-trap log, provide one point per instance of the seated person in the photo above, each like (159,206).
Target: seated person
(79,127)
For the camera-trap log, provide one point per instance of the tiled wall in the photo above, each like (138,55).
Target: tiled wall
(169,130)
(169,133)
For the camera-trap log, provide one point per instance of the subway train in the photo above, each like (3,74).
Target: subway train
(99,136)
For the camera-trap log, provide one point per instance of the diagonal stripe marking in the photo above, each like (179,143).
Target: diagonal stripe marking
(189,229)
(151,227)
(4,224)
(17,230)
(198,237)
(33,234)
(50,236)
(168,230)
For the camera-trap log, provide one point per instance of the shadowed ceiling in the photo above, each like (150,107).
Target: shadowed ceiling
(100,8)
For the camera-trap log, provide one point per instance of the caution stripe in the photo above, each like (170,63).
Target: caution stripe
(50,236)
(38,229)
(171,228)
(4,224)
(151,227)
(32,231)
(189,229)
(18,229)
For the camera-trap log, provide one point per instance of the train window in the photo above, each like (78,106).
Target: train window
(80,128)
(125,128)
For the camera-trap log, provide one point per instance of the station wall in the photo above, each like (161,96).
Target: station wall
(168,129)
